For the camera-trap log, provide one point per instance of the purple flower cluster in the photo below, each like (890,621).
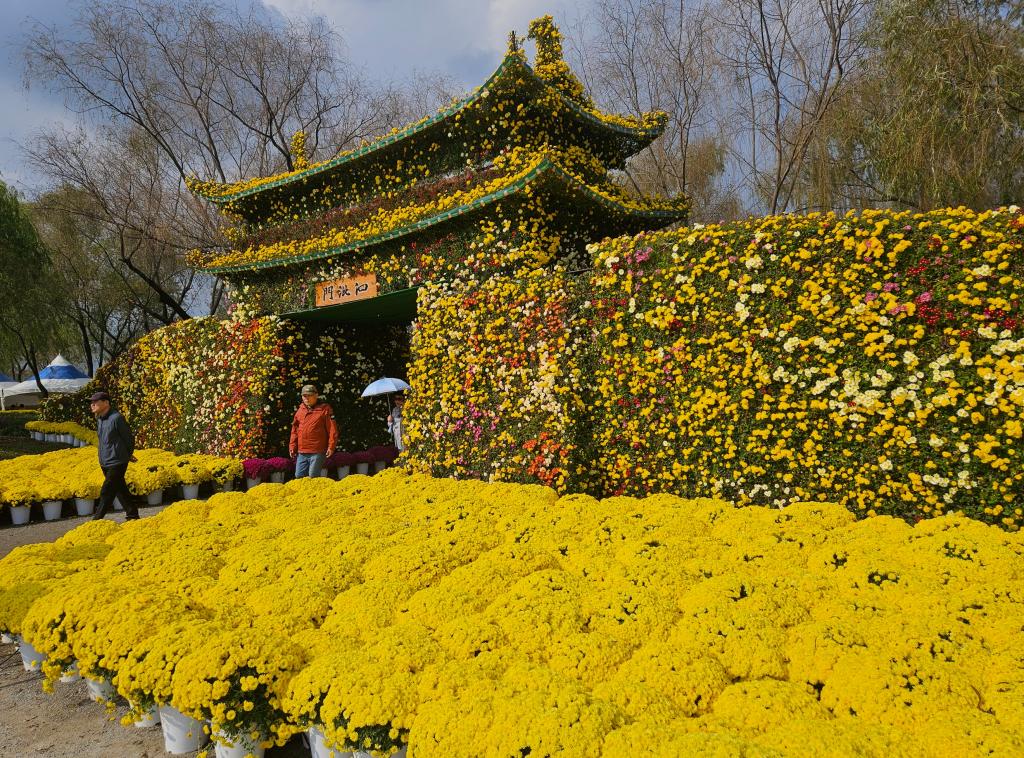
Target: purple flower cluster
(262,468)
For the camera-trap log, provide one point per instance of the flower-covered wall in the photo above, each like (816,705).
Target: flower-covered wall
(496,375)
(228,387)
(875,360)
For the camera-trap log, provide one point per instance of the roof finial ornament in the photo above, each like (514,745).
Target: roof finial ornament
(513,42)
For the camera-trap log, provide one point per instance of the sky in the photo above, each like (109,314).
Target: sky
(464,39)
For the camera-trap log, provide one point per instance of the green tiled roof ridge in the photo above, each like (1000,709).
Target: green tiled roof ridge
(413,129)
(544,167)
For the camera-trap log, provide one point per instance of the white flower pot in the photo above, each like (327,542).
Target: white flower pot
(343,471)
(20,514)
(182,734)
(237,747)
(69,439)
(363,468)
(228,486)
(52,509)
(84,505)
(102,691)
(38,436)
(250,483)
(190,491)
(49,437)
(149,718)
(317,748)
(277,477)
(155,497)
(31,658)
(379,466)
(71,674)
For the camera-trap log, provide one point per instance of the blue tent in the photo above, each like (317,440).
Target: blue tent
(5,378)
(61,369)
(59,376)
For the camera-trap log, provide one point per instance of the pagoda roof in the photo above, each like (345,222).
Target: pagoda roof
(546,176)
(620,137)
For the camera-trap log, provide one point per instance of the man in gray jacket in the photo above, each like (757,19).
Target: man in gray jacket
(116,445)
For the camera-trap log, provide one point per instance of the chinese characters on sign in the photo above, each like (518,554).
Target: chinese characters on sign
(345,290)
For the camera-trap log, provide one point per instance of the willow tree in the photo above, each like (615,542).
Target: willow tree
(934,115)
(27,323)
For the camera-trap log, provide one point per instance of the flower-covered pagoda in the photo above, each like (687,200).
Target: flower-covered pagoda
(514,176)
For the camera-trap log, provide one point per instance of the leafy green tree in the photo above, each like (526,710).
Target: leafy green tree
(100,300)
(934,115)
(28,326)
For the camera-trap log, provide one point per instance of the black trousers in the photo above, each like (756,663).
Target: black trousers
(114,485)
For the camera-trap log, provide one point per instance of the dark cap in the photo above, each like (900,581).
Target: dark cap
(99,396)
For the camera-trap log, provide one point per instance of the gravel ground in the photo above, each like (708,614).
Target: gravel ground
(66,724)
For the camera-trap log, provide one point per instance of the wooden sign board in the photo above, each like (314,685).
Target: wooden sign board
(346,290)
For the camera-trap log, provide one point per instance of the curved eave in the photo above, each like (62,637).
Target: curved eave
(544,171)
(640,136)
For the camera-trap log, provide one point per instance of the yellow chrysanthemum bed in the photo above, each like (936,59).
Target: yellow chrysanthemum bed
(473,619)
(76,472)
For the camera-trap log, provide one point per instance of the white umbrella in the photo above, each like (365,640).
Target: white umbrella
(386,386)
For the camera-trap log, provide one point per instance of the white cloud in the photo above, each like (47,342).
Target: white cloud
(25,113)
(464,38)
(389,38)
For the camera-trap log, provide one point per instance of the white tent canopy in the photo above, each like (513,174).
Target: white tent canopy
(6,382)
(59,377)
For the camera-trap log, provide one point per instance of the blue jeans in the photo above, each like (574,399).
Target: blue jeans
(309,464)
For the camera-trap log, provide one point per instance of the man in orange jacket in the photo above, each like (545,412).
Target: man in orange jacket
(314,434)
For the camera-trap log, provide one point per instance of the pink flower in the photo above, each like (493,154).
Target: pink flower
(890,287)
(870,296)
(924,297)
(897,309)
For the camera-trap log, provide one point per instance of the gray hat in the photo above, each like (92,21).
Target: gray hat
(309,389)
(99,396)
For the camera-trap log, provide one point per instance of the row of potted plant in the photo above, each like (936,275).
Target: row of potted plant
(53,480)
(67,432)
(182,734)
(463,618)
(338,466)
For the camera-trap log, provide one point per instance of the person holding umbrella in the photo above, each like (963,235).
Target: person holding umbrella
(314,434)
(389,386)
(395,422)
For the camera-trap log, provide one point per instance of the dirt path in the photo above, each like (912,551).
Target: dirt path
(66,724)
